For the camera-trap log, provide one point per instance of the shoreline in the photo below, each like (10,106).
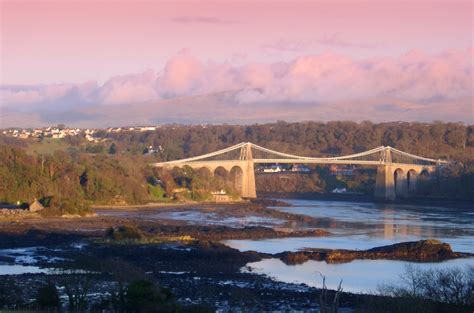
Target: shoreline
(201,268)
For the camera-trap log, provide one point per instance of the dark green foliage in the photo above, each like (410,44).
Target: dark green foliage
(156,191)
(112,149)
(124,233)
(47,297)
(144,296)
(95,149)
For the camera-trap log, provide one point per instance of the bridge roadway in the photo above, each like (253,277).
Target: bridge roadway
(394,179)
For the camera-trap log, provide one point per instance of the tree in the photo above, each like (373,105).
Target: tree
(47,297)
(76,288)
(112,148)
(144,296)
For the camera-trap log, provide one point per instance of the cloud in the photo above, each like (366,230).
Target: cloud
(414,84)
(129,89)
(333,41)
(201,20)
(182,75)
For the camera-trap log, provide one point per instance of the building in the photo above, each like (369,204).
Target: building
(338,170)
(300,168)
(220,196)
(274,169)
(36,206)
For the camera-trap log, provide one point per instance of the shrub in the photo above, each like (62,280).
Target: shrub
(47,297)
(145,296)
(62,206)
(124,233)
(450,285)
(156,191)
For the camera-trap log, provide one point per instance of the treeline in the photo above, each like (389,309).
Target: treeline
(68,182)
(437,140)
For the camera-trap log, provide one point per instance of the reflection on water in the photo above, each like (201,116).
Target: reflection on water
(351,242)
(398,218)
(382,224)
(357,276)
(366,225)
(361,226)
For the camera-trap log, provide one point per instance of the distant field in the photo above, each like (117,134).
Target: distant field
(47,146)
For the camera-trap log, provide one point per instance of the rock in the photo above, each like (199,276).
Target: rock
(420,251)
(423,250)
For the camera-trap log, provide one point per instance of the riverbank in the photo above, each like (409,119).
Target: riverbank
(179,247)
(197,272)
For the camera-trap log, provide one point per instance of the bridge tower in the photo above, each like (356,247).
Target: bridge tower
(248,176)
(384,182)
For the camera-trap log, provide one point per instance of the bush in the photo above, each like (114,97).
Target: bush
(124,233)
(156,191)
(59,207)
(144,296)
(47,297)
(450,285)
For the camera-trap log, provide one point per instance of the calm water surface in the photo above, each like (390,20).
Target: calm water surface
(363,226)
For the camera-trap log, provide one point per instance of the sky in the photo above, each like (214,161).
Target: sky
(93,63)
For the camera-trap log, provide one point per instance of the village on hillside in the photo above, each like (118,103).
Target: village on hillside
(61,131)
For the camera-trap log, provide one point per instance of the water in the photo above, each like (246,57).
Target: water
(357,276)
(366,225)
(16,269)
(362,226)
(24,261)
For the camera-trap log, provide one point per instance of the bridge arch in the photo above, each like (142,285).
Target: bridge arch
(221,176)
(205,171)
(400,182)
(412,177)
(424,174)
(236,175)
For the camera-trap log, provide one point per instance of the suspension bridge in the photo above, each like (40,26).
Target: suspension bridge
(397,171)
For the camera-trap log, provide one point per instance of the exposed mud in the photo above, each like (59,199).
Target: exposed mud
(185,257)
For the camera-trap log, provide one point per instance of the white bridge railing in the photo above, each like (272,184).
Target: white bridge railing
(380,155)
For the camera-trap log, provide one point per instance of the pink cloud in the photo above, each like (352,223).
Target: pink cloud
(129,89)
(182,74)
(420,79)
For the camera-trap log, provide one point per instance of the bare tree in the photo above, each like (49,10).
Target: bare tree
(448,285)
(77,287)
(327,305)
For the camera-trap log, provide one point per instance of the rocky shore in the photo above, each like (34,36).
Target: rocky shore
(188,258)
